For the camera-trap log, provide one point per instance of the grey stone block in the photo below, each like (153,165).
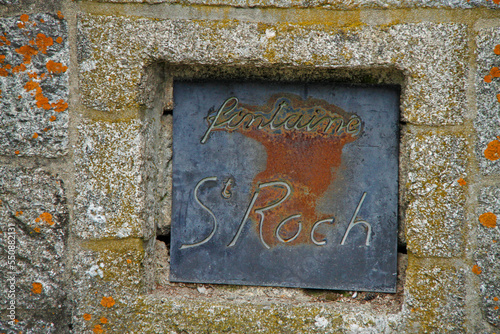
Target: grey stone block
(110,197)
(487,122)
(487,254)
(34,86)
(112,63)
(33,222)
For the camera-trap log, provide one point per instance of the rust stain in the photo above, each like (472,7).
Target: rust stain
(488,219)
(492,151)
(304,147)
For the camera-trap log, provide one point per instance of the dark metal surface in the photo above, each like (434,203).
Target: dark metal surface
(285,185)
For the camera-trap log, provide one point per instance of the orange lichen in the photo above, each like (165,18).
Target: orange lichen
(60,106)
(59,40)
(129,261)
(52,118)
(45,129)
(18,213)
(3,72)
(496,50)
(496,307)
(42,21)
(87,316)
(495,72)
(24,18)
(54,67)
(461,182)
(19,68)
(104,320)
(41,100)
(492,151)
(5,40)
(20,25)
(496,2)
(495,299)
(43,42)
(488,78)
(488,219)
(32,42)
(37,219)
(28,52)
(97,329)
(476,269)
(35,135)
(2,58)
(47,217)
(16,152)
(60,15)
(36,229)
(37,288)
(30,85)
(107,301)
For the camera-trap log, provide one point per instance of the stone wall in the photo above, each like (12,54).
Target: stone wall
(85,150)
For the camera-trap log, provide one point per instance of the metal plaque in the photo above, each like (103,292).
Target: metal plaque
(285,184)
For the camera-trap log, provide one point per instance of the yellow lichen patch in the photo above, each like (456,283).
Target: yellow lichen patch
(476,269)
(87,316)
(107,301)
(488,219)
(37,288)
(492,151)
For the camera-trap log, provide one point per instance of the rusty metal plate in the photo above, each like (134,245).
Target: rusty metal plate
(285,184)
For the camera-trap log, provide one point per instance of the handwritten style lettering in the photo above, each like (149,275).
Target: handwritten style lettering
(274,204)
(283,117)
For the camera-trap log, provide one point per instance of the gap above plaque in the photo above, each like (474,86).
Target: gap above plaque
(285,184)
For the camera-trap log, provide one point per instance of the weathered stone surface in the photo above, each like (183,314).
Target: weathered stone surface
(107,278)
(333,4)
(487,254)
(34,58)
(436,211)
(34,215)
(111,62)
(164,186)
(109,199)
(487,122)
(434,298)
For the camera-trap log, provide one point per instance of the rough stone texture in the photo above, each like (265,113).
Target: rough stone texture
(436,210)
(111,62)
(110,199)
(164,186)
(34,86)
(434,298)
(487,122)
(33,204)
(487,255)
(333,4)
(104,269)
